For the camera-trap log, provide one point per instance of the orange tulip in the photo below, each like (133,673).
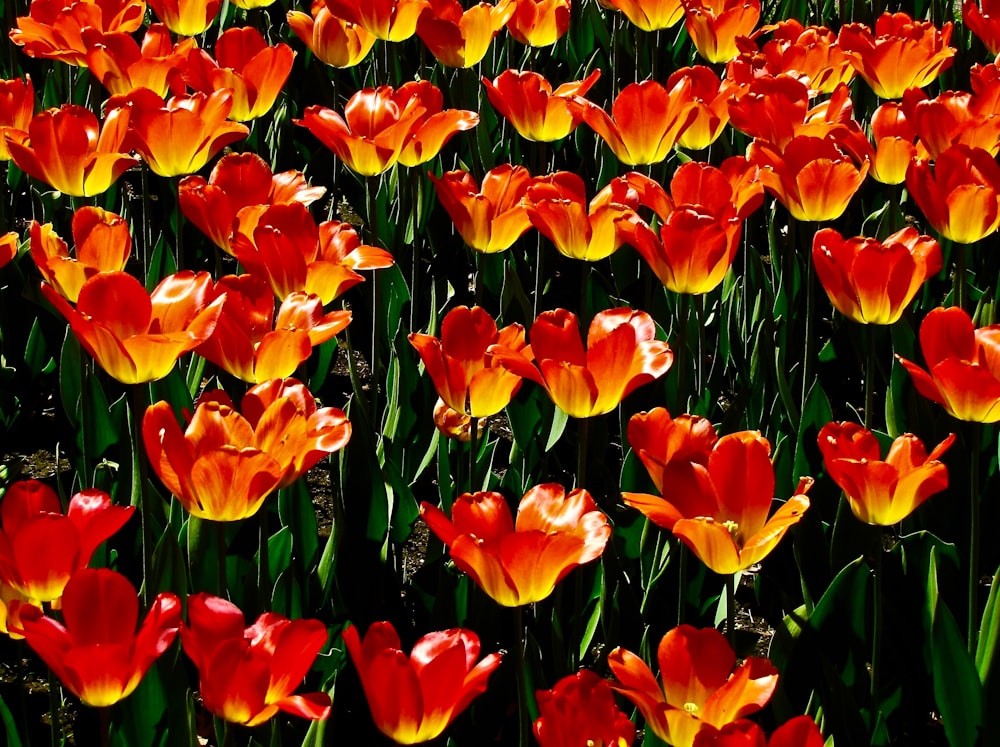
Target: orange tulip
(390,20)
(646,120)
(489,218)
(650,15)
(121,65)
(872,282)
(539,23)
(963,365)
(952,118)
(894,138)
(581,710)
(520,562)
(17,106)
(882,492)
(457,37)
(413,698)
(800,731)
(983,19)
(41,547)
(702,686)
(465,375)
(810,51)
(11,604)
(102,244)
(720,490)
(8,247)
(435,126)
(180,137)
(527,101)
(186,17)
(454,424)
(134,336)
(622,354)
(68,149)
(900,54)
(53,29)
(96,652)
(244,62)
(332,40)
(713,25)
(960,195)
(711,97)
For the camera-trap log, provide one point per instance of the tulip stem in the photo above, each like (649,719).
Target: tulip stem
(876,630)
(104,716)
(220,557)
(681,354)
(178,223)
(681,581)
(731,609)
(54,709)
(808,349)
(473,451)
(371,193)
(523,693)
(581,452)
(961,292)
(139,494)
(870,376)
(975,432)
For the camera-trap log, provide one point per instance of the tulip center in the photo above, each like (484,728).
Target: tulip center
(691,708)
(734,530)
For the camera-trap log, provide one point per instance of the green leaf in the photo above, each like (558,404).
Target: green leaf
(559,420)
(10,727)
(36,353)
(989,632)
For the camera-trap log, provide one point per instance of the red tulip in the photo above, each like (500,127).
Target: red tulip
(581,710)
(332,40)
(809,51)
(952,118)
(714,25)
(983,19)
(800,731)
(539,23)
(390,20)
(527,101)
(121,65)
(53,29)
(458,37)
(17,106)
(186,17)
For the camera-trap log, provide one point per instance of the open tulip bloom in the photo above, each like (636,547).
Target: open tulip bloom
(527,101)
(121,65)
(539,23)
(53,29)
(186,17)
(389,20)
(581,710)
(714,25)
(17,106)
(458,37)
(331,39)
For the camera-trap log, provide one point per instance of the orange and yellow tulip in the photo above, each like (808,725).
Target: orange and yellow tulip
(982,18)
(186,17)
(17,106)
(247,675)
(810,51)
(413,698)
(650,15)
(454,424)
(8,247)
(711,96)
(539,23)
(894,139)
(527,101)
(963,365)
(581,710)
(121,65)
(68,149)
(702,687)
(460,38)
(718,490)
(53,29)
(465,375)
(882,492)
(489,218)
(134,336)
(332,40)
(435,126)
(622,354)
(389,20)
(713,25)
(517,562)
(952,118)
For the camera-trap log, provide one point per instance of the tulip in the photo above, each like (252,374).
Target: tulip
(894,140)
(68,149)
(810,51)
(963,365)
(247,675)
(460,38)
(186,17)
(53,29)
(872,282)
(96,651)
(435,126)
(17,106)
(702,686)
(527,101)
(539,23)
(711,97)
(983,19)
(414,698)
(464,374)
(622,354)
(900,54)
(121,65)
(41,547)
(645,122)
(489,218)
(717,492)
(8,247)
(251,344)
(714,25)
(960,195)
(11,604)
(454,424)
(650,15)
(243,62)
(581,710)
(520,562)
(180,137)
(800,731)
(102,244)
(952,118)
(136,336)
(882,492)
(389,20)
(332,40)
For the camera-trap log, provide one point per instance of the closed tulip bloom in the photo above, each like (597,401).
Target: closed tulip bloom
(489,218)
(982,18)
(186,17)
(465,375)
(68,149)
(17,106)
(622,354)
(41,547)
(413,698)
(901,53)
(332,40)
(454,424)
(53,29)
(458,37)
(893,137)
(517,562)
(650,15)
(96,651)
(711,97)
(527,101)
(121,65)
(872,282)
(713,25)
(645,122)
(701,686)
(581,710)
(539,23)
(882,492)
(101,244)
(963,365)
(246,675)
(960,194)
(800,731)
(136,336)
(389,20)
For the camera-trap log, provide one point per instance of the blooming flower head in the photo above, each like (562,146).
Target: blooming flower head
(527,101)
(714,25)
(711,97)
(809,51)
(539,23)
(701,686)
(96,651)
(17,106)
(800,731)
(136,336)
(53,29)
(247,675)
(458,37)
(186,17)
(963,365)
(8,247)
(121,65)
(41,547)
(581,710)
(982,18)
(331,39)
(389,20)
(893,137)
(650,15)
(952,118)
(435,126)
(872,282)
(413,698)
(520,562)
(882,492)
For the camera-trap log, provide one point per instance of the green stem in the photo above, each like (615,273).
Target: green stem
(140,496)
(961,260)
(876,629)
(371,191)
(581,452)
(681,352)
(975,429)
(523,694)
(220,557)
(54,734)
(473,452)
(264,567)
(870,376)
(682,559)
(809,346)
